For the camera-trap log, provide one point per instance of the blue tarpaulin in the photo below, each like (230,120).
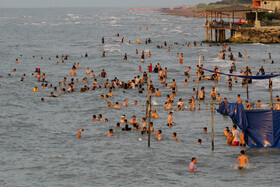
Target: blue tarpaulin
(245,76)
(261,127)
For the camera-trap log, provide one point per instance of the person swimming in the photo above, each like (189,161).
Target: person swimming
(111,132)
(243,160)
(80,133)
(126,128)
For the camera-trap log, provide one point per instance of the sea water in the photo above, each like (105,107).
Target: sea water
(38,146)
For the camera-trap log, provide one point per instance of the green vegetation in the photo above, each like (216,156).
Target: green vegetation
(201,6)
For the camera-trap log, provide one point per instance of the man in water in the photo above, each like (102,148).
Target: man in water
(159,136)
(239,100)
(111,133)
(235,136)
(158,93)
(79,133)
(201,94)
(205,130)
(169,120)
(52,95)
(94,118)
(243,159)
(174,135)
(192,167)
(123,119)
(134,121)
(117,106)
(103,74)
(154,114)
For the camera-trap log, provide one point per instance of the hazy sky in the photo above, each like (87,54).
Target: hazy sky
(97,3)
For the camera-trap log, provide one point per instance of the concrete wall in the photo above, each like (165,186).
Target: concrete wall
(270,5)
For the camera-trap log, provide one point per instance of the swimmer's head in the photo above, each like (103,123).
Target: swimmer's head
(193,159)
(205,129)
(242,152)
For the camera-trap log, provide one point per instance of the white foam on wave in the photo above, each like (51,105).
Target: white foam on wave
(117,25)
(175,30)
(54,25)
(258,44)
(154,102)
(159,36)
(264,83)
(35,24)
(111,48)
(203,50)
(219,62)
(73,23)
(113,22)
(112,17)
(72,16)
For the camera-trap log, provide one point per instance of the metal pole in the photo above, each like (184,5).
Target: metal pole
(198,73)
(212,123)
(149,98)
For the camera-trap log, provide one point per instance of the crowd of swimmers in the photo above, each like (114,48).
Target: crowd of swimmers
(141,82)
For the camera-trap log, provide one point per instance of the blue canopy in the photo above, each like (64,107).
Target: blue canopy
(246,76)
(261,127)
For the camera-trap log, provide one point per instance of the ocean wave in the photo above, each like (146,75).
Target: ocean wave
(175,31)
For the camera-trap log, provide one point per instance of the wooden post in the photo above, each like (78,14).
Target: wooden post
(216,35)
(206,37)
(245,62)
(212,124)
(198,73)
(211,36)
(149,99)
(247,88)
(271,98)
(245,57)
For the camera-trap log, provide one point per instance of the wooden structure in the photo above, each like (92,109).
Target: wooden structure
(216,26)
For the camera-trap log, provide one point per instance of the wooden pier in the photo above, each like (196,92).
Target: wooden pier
(216,27)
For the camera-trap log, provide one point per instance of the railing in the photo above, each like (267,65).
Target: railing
(229,25)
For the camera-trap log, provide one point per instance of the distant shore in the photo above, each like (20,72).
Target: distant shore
(190,12)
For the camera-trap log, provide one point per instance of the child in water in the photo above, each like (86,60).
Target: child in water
(229,139)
